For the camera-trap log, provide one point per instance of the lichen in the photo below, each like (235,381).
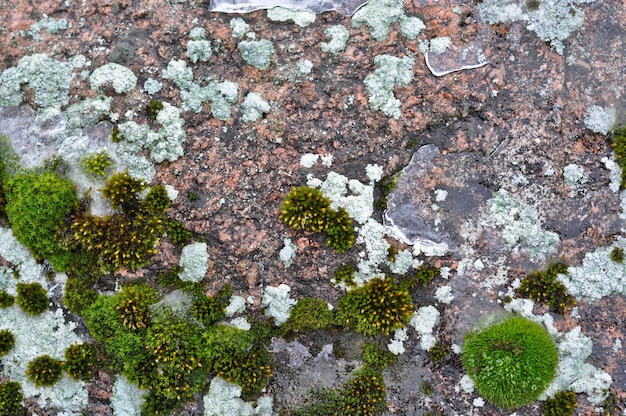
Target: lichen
(253,107)
(193,260)
(391,72)
(256,53)
(302,18)
(115,76)
(338,36)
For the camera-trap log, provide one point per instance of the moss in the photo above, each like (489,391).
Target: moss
(619,147)
(209,310)
(378,307)
(32,298)
(97,165)
(177,233)
(511,362)
(116,136)
(192,197)
(376,358)
(305,208)
(170,279)
(543,286)
(345,274)
(617,254)
(37,205)
(339,230)
(6,300)
(7,341)
(426,388)
(153,108)
(562,404)
(437,353)
(44,370)
(309,314)
(611,405)
(424,275)
(11,397)
(128,238)
(133,304)
(80,360)
(385,186)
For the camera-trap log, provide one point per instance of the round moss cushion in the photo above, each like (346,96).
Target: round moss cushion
(511,362)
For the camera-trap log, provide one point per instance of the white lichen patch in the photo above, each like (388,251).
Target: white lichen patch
(392,72)
(598,276)
(424,321)
(396,344)
(338,36)
(256,53)
(48,78)
(439,44)
(615,173)
(253,107)
(127,398)
(302,18)
(444,295)
(378,15)
(287,253)
(152,86)
(115,76)
(239,27)
(236,305)
(194,261)
(277,303)
(199,50)
(50,25)
(307,160)
(521,227)
(552,20)
(574,175)
(223,398)
(599,119)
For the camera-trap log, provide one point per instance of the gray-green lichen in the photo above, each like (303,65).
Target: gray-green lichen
(49,78)
(87,112)
(521,227)
(115,76)
(378,15)
(239,27)
(391,72)
(256,53)
(338,36)
(48,24)
(302,18)
(253,107)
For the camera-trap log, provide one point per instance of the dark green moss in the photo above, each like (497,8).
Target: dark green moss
(426,388)
(385,186)
(619,147)
(80,360)
(207,309)
(305,208)
(617,254)
(97,164)
(437,353)
(116,136)
(377,358)
(339,230)
(378,307)
(543,287)
(424,275)
(6,300)
(133,304)
(32,298)
(177,233)
(44,370)
(345,274)
(170,278)
(7,341)
(562,404)
(11,397)
(309,314)
(153,108)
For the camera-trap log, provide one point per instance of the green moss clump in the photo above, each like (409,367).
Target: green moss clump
(437,353)
(6,300)
(619,146)
(177,233)
(129,237)
(37,205)
(378,307)
(170,278)
(305,208)
(32,298)
(543,286)
(424,275)
(116,136)
(133,304)
(153,108)
(309,314)
(386,185)
(97,164)
(376,358)
(122,189)
(7,341)
(511,362)
(617,254)
(209,310)
(339,230)
(308,209)
(11,397)
(80,360)
(44,370)
(562,404)
(345,274)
